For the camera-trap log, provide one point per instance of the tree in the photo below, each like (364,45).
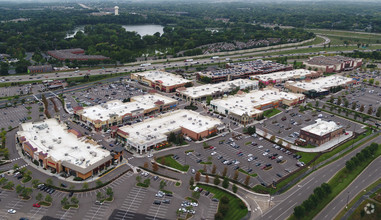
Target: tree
(191,181)
(15,166)
(204,169)
(64,201)
(39,197)
(207,179)
(218,216)
(48,198)
(362,108)
(4,68)
(196,194)
(353,105)
(98,183)
(234,188)
(236,173)
(85,185)
(3,180)
(225,200)
(272,138)
(147,182)
(317,104)
(74,200)
(208,100)
(214,169)
(299,212)
(217,180)
(155,167)
(225,183)
(99,196)
(19,189)
(225,171)
(162,185)
(49,181)
(247,180)
(9,185)
(370,110)
(35,183)
(197,176)
(138,178)
(145,165)
(109,192)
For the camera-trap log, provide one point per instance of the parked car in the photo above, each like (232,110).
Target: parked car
(36,205)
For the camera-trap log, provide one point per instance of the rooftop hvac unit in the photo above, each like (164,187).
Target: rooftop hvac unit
(59,141)
(66,154)
(50,147)
(35,138)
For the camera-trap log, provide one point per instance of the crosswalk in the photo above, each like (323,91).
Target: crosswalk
(12,160)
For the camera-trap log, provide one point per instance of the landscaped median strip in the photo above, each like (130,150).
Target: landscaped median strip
(321,197)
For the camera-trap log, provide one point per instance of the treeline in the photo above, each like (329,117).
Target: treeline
(104,35)
(375,55)
(362,156)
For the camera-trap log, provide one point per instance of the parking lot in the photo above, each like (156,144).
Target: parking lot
(103,93)
(12,116)
(287,125)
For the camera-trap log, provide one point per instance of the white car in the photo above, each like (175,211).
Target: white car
(265,153)
(250,159)
(213,153)
(250,155)
(260,146)
(261,138)
(237,162)
(11,211)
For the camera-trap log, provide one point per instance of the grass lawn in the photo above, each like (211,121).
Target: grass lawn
(142,185)
(338,183)
(26,179)
(271,112)
(375,216)
(208,163)
(44,203)
(307,157)
(191,199)
(327,155)
(177,184)
(243,171)
(70,206)
(169,161)
(235,212)
(189,151)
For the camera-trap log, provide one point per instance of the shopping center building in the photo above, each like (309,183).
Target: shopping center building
(321,86)
(283,76)
(153,132)
(163,81)
(116,112)
(247,107)
(53,146)
(199,93)
(242,70)
(329,64)
(321,132)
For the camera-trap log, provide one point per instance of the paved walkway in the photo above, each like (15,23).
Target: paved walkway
(324,147)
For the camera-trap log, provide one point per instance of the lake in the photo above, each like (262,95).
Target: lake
(145,29)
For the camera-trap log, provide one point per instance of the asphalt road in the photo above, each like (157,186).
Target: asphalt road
(285,203)
(365,179)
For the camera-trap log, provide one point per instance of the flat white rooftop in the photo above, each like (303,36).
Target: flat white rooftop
(51,137)
(165,78)
(323,83)
(249,102)
(107,110)
(321,127)
(283,75)
(209,89)
(155,130)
